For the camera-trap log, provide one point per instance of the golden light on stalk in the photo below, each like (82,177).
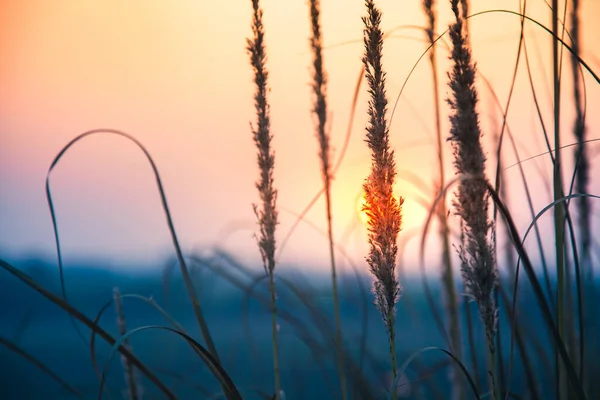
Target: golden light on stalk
(413,215)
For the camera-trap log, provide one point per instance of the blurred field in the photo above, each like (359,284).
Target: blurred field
(240,328)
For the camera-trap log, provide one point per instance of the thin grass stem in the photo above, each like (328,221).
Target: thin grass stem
(319,85)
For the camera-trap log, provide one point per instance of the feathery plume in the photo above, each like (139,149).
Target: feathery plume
(381,207)
(476,252)
(447,277)
(319,86)
(267,213)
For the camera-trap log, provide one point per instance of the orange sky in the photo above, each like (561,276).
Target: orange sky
(175,75)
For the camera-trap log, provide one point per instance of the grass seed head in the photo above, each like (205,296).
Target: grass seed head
(381,207)
(471,204)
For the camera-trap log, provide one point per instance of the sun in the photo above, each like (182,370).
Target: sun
(362,214)
(413,213)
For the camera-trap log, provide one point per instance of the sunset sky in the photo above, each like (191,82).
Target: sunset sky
(175,74)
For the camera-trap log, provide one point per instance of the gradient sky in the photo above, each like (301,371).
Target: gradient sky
(175,74)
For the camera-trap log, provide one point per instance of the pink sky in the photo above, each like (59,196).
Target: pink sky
(175,75)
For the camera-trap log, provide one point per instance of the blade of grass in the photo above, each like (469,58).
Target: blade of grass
(106,306)
(478,14)
(454,358)
(559,217)
(207,358)
(184,270)
(87,322)
(43,367)
(518,335)
(298,324)
(570,372)
(528,266)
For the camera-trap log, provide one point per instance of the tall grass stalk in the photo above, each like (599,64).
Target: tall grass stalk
(133,389)
(319,86)
(382,208)
(267,213)
(448,283)
(559,216)
(476,252)
(582,166)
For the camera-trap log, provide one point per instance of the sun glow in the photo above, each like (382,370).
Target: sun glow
(362,214)
(414,213)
